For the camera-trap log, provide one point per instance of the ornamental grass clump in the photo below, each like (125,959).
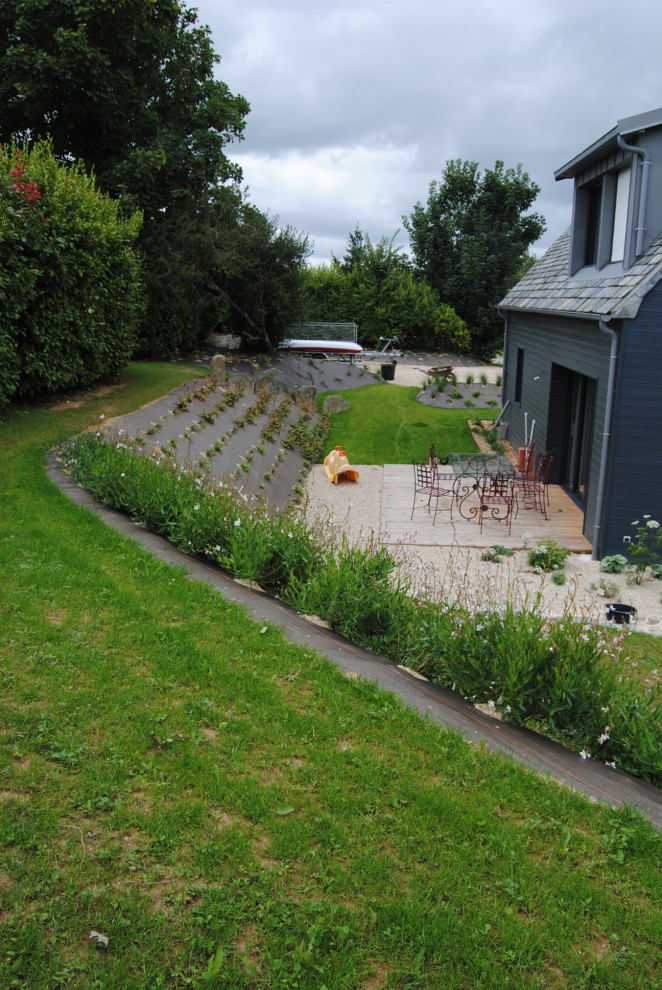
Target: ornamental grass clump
(204,518)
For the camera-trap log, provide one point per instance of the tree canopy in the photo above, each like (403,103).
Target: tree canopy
(374,286)
(223,264)
(471,241)
(126,87)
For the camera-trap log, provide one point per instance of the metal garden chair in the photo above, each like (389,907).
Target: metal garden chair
(428,486)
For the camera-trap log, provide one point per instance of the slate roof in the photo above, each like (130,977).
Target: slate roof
(613,293)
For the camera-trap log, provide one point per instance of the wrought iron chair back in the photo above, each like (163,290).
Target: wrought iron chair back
(535,487)
(496,499)
(428,486)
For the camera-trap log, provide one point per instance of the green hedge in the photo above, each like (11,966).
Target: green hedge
(71,292)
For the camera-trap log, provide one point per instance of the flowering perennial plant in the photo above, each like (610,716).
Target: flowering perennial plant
(558,676)
(646,548)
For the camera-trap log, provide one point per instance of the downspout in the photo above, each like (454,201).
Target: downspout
(643,192)
(505,351)
(606,437)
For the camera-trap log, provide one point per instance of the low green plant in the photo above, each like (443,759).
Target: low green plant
(496,553)
(609,589)
(558,577)
(469,378)
(455,394)
(613,564)
(499,379)
(469,404)
(646,547)
(477,394)
(548,556)
(555,676)
(491,437)
(483,378)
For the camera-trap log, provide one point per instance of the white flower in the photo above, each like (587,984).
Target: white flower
(237,522)
(102,416)
(603,738)
(653,524)
(196,507)
(122,475)
(584,755)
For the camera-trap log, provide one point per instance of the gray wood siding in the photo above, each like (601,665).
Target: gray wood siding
(578,345)
(635,465)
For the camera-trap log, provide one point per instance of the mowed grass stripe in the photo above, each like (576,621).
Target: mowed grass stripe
(386,425)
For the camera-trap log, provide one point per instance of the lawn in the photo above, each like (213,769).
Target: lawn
(230,811)
(386,425)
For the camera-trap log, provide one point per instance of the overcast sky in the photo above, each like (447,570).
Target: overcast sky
(356,106)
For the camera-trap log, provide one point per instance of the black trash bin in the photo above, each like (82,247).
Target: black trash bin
(388,371)
(622,615)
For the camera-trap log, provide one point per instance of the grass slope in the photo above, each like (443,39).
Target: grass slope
(231,812)
(386,425)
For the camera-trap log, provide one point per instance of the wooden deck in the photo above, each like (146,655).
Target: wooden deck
(529,527)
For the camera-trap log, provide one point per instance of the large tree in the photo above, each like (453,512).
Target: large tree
(223,264)
(471,240)
(127,87)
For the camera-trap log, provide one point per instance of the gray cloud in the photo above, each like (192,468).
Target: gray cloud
(356,107)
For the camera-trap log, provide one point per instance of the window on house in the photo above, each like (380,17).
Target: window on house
(593,224)
(600,224)
(519,370)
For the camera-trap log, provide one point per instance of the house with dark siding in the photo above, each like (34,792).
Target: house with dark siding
(583,337)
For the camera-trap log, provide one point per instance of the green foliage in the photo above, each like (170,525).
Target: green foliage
(496,553)
(389,426)
(553,675)
(646,547)
(613,564)
(155,739)
(70,278)
(126,88)
(129,90)
(548,556)
(375,287)
(221,264)
(471,240)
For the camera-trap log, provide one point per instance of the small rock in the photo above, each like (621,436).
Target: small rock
(334,404)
